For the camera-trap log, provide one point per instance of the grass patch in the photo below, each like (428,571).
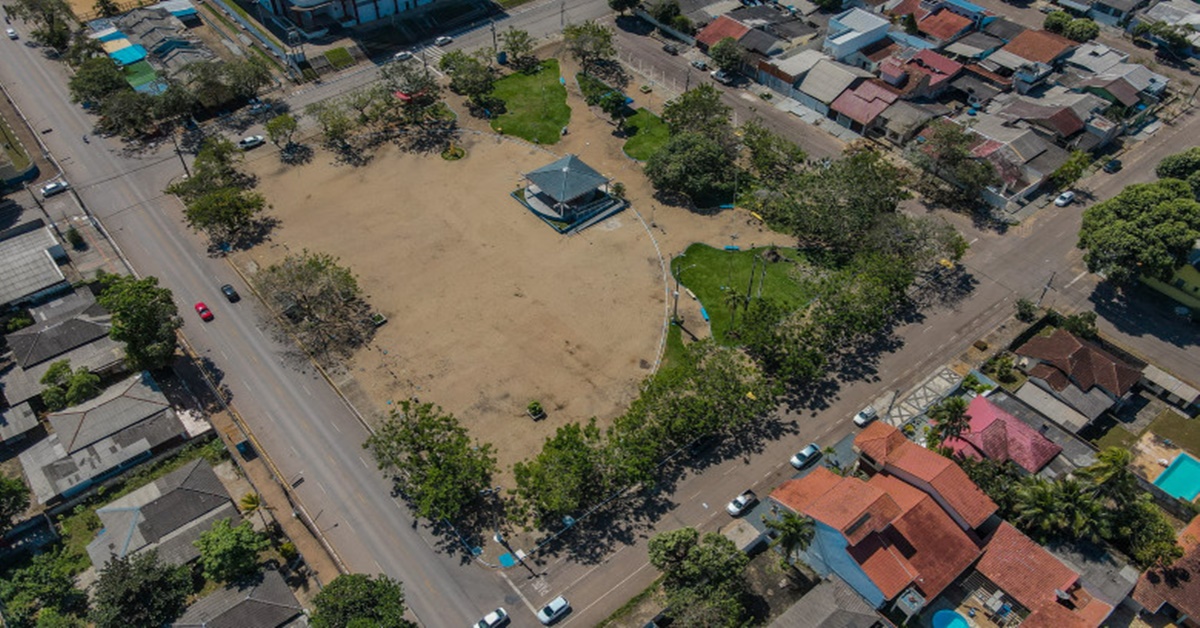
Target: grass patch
(593,88)
(632,605)
(1182,431)
(262,54)
(646,132)
(1116,436)
(339,58)
(674,351)
(16,154)
(78,529)
(221,18)
(711,272)
(536,105)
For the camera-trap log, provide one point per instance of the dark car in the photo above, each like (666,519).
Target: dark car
(670,49)
(1113,165)
(230,293)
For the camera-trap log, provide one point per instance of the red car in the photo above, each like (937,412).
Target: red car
(203,311)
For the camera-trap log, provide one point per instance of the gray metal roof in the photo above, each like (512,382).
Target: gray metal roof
(42,341)
(268,603)
(566,179)
(1105,574)
(831,604)
(26,264)
(121,405)
(828,79)
(16,420)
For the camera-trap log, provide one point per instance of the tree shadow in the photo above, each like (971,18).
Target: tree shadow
(1139,311)
(296,154)
(634,25)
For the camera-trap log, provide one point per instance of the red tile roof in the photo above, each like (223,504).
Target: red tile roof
(853,508)
(880,442)
(1177,585)
(997,435)
(935,546)
(798,495)
(937,67)
(1034,578)
(886,567)
(1039,46)
(864,103)
(720,28)
(1086,365)
(944,25)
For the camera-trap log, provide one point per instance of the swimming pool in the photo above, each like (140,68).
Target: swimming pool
(949,619)
(1182,478)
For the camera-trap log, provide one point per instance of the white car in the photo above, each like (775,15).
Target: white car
(494,619)
(58,187)
(551,612)
(865,416)
(253,141)
(722,77)
(11,32)
(443,40)
(806,456)
(403,55)
(1064,199)
(741,504)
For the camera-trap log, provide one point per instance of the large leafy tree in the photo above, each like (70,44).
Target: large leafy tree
(1147,229)
(518,44)
(793,533)
(45,583)
(1071,170)
(1056,21)
(703,576)
(589,43)
(225,213)
(127,113)
(335,121)
(65,388)
(230,553)
(772,157)
(139,591)
(420,85)
(52,21)
(95,79)
(14,499)
(728,54)
(358,601)
(566,476)
(281,129)
(1081,29)
(947,154)
(1143,532)
(699,110)
(432,459)
(144,317)
(1180,165)
(215,168)
(206,79)
(694,165)
(470,75)
(245,77)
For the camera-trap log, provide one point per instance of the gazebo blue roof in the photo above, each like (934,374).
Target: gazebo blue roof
(566,179)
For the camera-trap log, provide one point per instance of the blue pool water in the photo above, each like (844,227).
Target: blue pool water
(949,619)
(1182,478)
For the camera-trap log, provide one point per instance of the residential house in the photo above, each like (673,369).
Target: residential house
(720,28)
(1175,12)
(30,255)
(167,516)
(944,27)
(266,603)
(15,423)
(1114,12)
(1170,388)
(761,43)
(1070,378)
(825,82)
(128,422)
(870,57)
(900,122)
(858,108)
(996,435)
(976,91)
(923,75)
(784,74)
(792,33)
(1128,86)
(1184,284)
(853,30)
(1002,28)
(74,328)
(1173,592)
(977,14)
(898,9)
(1029,58)
(975,46)
(830,604)
(1093,58)
(1076,453)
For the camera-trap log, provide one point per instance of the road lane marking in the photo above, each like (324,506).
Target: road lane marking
(322,487)
(335,427)
(533,609)
(615,587)
(1077,278)
(364,463)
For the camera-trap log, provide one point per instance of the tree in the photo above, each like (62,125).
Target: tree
(947,154)
(225,213)
(1143,532)
(704,576)
(693,165)
(1072,169)
(1081,29)
(1180,165)
(950,418)
(144,317)
(568,474)
(65,389)
(589,43)
(175,103)
(432,459)
(45,583)
(320,301)
(52,21)
(14,499)
(1066,508)
(910,24)
(421,86)
(335,121)
(358,601)
(613,104)
(700,110)
(1026,310)
(1056,21)
(1111,475)
(229,553)
(1172,37)
(518,44)
(793,533)
(251,503)
(665,11)
(246,76)
(469,75)
(1147,229)
(95,79)
(998,480)
(281,129)
(773,158)
(621,6)
(139,591)
(53,618)
(207,80)
(728,54)
(107,8)
(215,168)
(127,113)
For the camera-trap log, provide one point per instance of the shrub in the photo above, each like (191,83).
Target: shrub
(1026,310)
(74,238)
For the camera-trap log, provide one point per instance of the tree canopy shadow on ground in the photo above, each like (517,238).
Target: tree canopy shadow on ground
(1139,311)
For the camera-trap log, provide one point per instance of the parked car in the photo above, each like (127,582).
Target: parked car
(443,40)
(205,314)
(258,106)
(741,504)
(230,293)
(1064,199)
(865,416)
(57,187)
(670,49)
(551,612)
(699,64)
(252,141)
(1113,165)
(403,55)
(494,619)
(11,32)
(722,77)
(806,456)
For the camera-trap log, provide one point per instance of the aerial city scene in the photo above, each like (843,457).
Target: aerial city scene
(600,313)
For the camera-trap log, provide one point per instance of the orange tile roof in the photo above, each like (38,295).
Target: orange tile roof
(854,508)
(886,567)
(1189,537)
(797,495)
(1088,365)
(878,440)
(1027,572)
(943,25)
(904,494)
(721,28)
(1040,46)
(935,546)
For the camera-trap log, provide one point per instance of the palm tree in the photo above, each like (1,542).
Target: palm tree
(795,533)
(1036,508)
(1083,513)
(950,418)
(1111,475)
(252,503)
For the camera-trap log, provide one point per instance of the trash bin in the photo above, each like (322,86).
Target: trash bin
(502,57)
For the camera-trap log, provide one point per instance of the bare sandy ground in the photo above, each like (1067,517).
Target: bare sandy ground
(490,308)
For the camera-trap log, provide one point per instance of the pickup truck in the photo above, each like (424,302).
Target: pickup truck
(741,504)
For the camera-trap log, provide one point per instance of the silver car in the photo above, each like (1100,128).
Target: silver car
(551,612)
(494,619)
(865,416)
(806,456)
(252,141)
(57,187)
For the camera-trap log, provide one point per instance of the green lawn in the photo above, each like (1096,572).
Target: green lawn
(536,105)
(1182,431)
(646,132)
(339,58)
(707,271)
(16,154)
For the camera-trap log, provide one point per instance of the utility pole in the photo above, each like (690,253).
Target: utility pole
(495,48)
(562,14)
(179,153)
